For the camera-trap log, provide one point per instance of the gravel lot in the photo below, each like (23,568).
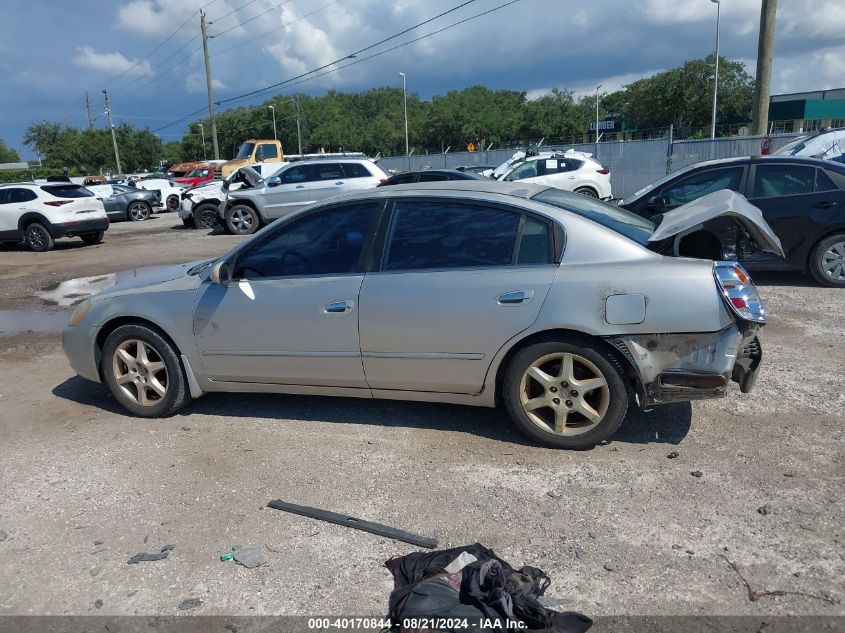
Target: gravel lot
(621,529)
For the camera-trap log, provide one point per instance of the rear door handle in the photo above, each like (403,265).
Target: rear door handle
(300,186)
(339,307)
(515,298)
(825,205)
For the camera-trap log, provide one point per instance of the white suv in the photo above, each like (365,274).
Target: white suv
(571,171)
(38,214)
(294,186)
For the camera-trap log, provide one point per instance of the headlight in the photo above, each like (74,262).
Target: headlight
(79,312)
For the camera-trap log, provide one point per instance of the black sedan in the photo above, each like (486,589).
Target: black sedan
(126,203)
(802,199)
(431,175)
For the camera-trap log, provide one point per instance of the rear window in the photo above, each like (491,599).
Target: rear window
(67,191)
(615,218)
(356,170)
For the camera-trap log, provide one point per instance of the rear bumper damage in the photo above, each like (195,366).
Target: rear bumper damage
(681,367)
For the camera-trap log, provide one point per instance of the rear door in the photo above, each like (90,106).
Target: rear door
(9,216)
(329,181)
(456,280)
(800,202)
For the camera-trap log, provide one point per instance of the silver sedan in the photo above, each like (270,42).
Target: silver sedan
(566,309)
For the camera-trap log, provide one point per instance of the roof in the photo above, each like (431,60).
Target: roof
(515,189)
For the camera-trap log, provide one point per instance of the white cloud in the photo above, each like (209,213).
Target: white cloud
(819,70)
(110,63)
(195,82)
(155,17)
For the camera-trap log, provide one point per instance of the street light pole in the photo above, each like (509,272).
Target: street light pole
(716,75)
(273,110)
(405,99)
(202,134)
(597,119)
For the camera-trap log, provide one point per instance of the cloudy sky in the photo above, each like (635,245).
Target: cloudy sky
(52,51)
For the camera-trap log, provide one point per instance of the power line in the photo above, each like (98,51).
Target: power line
(350,56)
(273,30)
(233,11)
(255,17)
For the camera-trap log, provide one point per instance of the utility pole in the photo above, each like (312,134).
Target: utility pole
(597,120)
(762,85)
(716,75)
(208,85)
(113,136)
(273,110)
(88,111)
(298,128)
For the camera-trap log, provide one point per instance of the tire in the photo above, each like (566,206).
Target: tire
(172,202)
(827,261)
(536,406)
(138,211)
(156,388)
(241,220)
(37,238)
(93,238)
(205,216)
(586,191)
(188,223)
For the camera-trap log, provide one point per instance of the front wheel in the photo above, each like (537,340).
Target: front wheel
(143,372)
(241,220)
(827,261)
(38,238)
(93,238)
(172,202)
(566,393)
(205,216)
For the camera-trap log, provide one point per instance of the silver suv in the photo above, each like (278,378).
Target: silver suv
(294,186)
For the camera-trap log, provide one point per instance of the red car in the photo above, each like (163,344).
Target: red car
(199,174)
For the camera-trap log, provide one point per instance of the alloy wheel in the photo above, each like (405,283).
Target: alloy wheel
(241,220)
(138,211)
(564,394)
(140,372)
(208,218)
(833,261)
(36,235)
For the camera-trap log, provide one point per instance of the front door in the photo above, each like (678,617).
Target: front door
(457,281)
(291,191)
(290,313)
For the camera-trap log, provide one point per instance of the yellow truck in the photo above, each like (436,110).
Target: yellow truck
(254,150)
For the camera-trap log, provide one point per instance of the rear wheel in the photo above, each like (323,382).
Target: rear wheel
(205,216)
(139,211)
(566,393)
(241,220)
(172,202)
(586,191)
(827,261)
(143,372)
(93,238)
(38,238)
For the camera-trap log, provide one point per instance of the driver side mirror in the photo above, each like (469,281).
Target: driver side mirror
(274,181)
(221,273)
(657,202)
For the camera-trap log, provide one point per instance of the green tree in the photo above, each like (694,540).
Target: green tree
(7,154)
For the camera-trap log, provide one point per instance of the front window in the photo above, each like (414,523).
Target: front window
(327,242)
(245,150)
(450,235)
(297,174)
(524,170)
(615,218)
(701,184)
(198,173)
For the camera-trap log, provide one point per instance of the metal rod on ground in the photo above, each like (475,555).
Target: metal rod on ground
(204,31)
(113,136)
(762,84)
(352,522)
(716,75)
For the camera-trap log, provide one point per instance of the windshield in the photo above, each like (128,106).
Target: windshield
(790,149)
(198,173)
(245,150)
(615,218)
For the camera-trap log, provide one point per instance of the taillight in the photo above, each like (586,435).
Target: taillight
(739,291)
(603,171)
(57,203)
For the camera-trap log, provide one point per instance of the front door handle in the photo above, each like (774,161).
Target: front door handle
(826,204)
(300,186)
(338,307)
(515,298)
(339,182)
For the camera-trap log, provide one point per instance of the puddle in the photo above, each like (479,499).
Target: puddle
(68,293)
(14,322)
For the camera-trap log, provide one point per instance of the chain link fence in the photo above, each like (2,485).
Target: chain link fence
(633,164)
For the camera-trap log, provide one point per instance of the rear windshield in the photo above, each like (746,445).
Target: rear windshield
(615,218)
(67,191)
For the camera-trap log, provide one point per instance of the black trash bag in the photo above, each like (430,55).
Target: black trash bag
(488,591)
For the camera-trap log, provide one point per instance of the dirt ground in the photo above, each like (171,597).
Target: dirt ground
(621,529)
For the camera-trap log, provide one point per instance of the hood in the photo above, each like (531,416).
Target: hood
(723,203)
(146,276)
